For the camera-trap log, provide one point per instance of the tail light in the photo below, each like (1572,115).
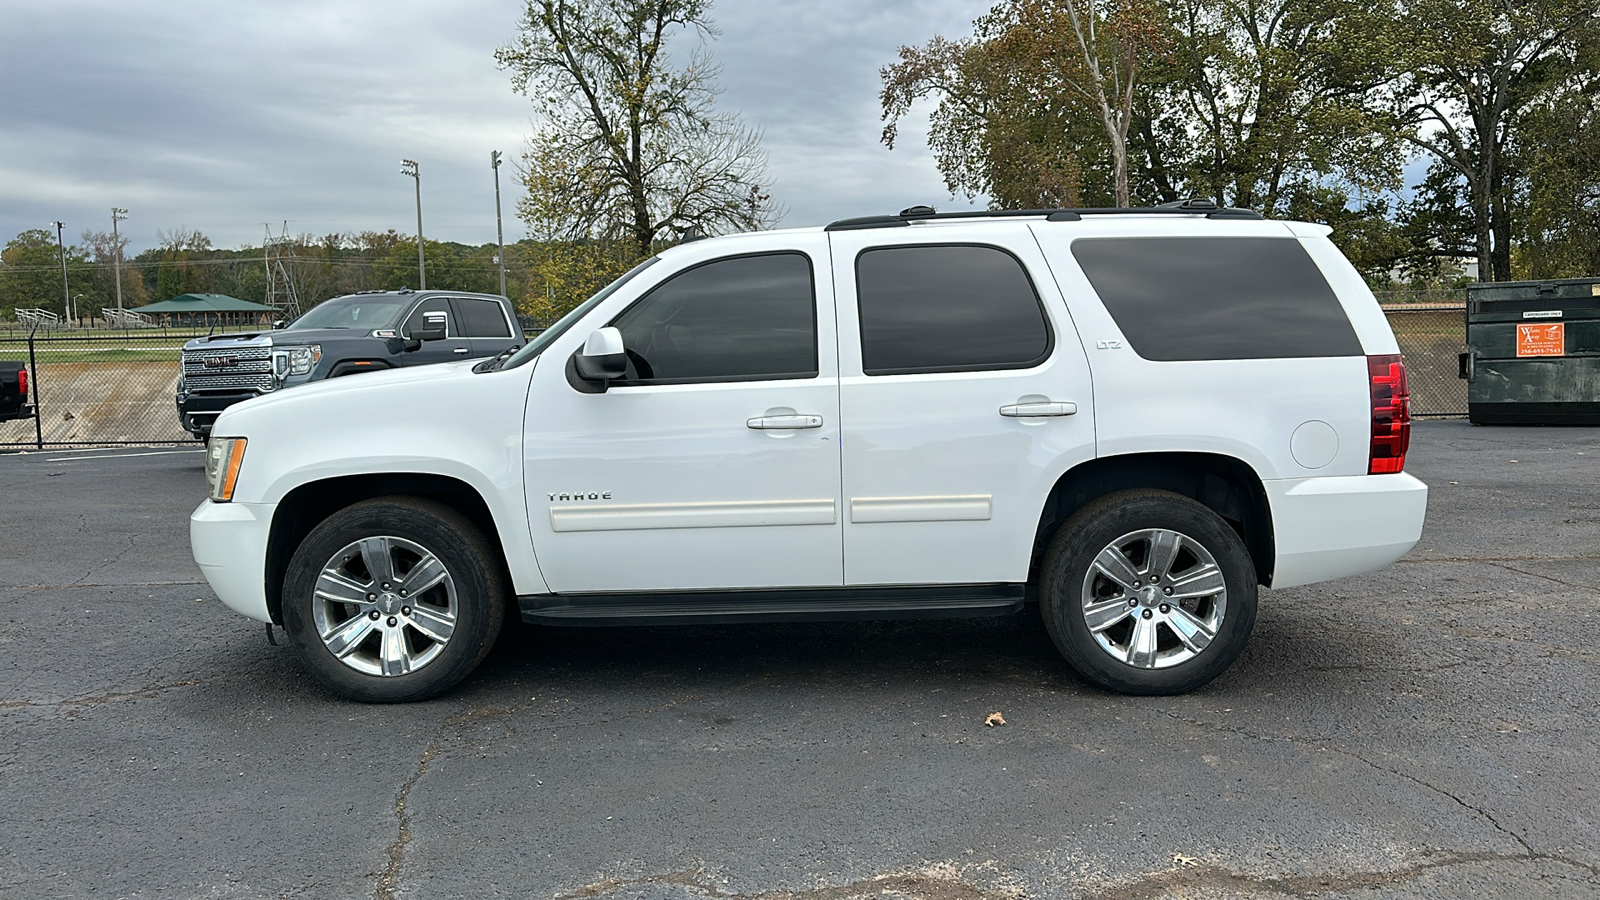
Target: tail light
(1391,413)
(22,383)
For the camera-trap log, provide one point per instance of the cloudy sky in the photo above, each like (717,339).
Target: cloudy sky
(222,116)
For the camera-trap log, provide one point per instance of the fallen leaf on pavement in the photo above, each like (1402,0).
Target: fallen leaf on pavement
(994,719)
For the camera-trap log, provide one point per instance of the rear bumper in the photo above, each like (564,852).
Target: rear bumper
(1328,528)
(229,543)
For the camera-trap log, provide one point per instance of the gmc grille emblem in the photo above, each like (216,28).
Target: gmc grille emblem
(221,362)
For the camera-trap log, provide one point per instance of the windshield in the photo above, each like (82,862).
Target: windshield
(363,312)
(537,345)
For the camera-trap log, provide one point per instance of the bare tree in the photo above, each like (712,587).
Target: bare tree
(628,145)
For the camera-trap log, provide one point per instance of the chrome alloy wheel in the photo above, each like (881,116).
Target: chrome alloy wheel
(384,606)
(1154,598)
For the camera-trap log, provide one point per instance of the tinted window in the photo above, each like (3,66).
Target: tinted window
(947,309)
(1217,298)
(377,311)
(481,318)
(740,319)
(432,304)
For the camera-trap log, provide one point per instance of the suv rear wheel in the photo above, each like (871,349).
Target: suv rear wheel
(1148,592)
(392,600)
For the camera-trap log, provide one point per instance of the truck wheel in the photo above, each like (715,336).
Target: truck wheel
(392,600)
(1148,592)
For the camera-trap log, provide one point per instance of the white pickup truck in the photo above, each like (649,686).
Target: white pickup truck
(1132,417)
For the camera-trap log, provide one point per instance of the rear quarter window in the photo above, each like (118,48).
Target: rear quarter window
(1181,299)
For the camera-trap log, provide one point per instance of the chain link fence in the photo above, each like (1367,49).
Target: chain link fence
(100,387)
(97,387)
(1432,337)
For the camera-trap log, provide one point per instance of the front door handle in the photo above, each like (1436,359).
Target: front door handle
(1038,410)
(772,423)
(463,350)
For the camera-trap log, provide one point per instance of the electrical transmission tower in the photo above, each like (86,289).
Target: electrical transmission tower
(280,287)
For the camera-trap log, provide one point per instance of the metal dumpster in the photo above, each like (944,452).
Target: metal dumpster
(1533,353)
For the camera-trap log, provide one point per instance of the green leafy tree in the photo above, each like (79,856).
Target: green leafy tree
(30,272)
(1476,74)
(629,146)
(1246,101)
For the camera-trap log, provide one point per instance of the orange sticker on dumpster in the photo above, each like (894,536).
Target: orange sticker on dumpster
(1542,340)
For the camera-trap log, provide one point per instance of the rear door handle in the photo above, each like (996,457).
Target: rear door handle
(772,423)
(463,350)
(1038,410)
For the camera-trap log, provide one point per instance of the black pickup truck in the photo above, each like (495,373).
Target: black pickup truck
(347,335)
(14,392)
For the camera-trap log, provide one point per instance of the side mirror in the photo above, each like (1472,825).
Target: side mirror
(279,324)
(602,358)
(433,327)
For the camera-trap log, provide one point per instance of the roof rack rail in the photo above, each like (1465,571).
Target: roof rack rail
(1190,207)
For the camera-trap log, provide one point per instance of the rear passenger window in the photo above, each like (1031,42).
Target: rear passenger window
(947,308)
(481,318)
(746,318)
(1217,298)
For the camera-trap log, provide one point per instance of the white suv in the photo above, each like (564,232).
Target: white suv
(1134,417)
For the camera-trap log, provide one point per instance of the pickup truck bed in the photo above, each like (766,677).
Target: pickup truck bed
(14,392)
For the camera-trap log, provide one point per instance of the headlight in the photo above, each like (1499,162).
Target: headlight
(224,456)
(295,360)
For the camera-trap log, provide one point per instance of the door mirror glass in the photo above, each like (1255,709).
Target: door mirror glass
(602,358)
(278,324)
(433,327)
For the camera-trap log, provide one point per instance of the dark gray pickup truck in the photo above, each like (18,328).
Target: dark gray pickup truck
(14,392)
(347,335)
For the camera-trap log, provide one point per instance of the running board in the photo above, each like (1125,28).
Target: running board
(806,605)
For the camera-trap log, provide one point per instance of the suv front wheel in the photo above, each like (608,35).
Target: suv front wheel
(393,599)
(1148,592)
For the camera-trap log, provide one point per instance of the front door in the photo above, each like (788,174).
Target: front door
(714,462)
(454,346)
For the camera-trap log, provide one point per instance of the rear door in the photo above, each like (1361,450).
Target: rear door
(484,325)
(964,395)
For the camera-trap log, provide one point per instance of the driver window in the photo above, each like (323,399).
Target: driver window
(747,318)
(432,304)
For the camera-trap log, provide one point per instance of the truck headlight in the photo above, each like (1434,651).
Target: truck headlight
(224,456)
(295,360)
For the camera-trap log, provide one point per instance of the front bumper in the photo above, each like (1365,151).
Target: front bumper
(1330,527)
(198,412)
(229,543)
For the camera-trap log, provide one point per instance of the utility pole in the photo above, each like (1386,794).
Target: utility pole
(66,298)
(409,167)
(499,233)
(117,215)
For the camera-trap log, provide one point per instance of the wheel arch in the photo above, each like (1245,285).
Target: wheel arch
(307,505)
(1225,484)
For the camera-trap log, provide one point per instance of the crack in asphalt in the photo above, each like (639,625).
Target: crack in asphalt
(98,699)
(449,730)
(1529,853)
(95,584)
(1581,587)
(1228,882)
(389,879)
(1490,559)
(921,885)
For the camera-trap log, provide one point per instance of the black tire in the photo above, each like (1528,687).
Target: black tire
(471,597)
(1135,646)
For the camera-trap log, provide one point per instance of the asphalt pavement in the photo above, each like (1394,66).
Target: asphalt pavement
(1428,730)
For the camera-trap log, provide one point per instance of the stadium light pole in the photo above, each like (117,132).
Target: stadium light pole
(409,167)
(117,215)
(499,232)
(66,298)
